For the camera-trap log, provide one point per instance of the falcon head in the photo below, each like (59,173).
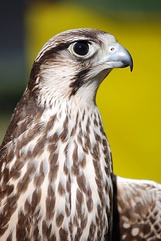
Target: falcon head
(73,63)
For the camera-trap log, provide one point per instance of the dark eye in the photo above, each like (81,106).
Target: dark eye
(81,48)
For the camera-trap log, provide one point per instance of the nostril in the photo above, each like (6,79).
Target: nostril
(112,49)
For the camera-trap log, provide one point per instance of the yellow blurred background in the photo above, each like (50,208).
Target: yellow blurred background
(129,102)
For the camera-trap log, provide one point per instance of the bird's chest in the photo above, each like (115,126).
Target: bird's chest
(62,186)
(75,193)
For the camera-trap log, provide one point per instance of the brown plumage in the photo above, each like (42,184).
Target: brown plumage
(55,160)
(137,210)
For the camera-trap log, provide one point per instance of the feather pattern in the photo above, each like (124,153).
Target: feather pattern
(137,205)
(56,179)
(55,161)
(52,179)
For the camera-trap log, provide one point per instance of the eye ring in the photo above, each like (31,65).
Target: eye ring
(81,48)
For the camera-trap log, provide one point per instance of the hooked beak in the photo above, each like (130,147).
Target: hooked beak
(118,57)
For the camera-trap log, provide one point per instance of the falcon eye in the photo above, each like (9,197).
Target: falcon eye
(81,48)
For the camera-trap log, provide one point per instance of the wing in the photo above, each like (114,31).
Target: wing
(137,210)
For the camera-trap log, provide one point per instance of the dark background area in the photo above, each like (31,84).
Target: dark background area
(12,53)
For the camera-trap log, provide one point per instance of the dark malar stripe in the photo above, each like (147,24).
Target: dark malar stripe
(78,81)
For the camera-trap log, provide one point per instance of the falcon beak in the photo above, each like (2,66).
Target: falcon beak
(118,57)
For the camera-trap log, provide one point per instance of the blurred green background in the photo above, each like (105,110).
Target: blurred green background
(130,103)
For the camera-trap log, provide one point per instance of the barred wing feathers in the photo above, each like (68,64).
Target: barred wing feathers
(137,210)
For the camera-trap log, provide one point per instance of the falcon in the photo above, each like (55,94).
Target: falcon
(56,179)
(55,160)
